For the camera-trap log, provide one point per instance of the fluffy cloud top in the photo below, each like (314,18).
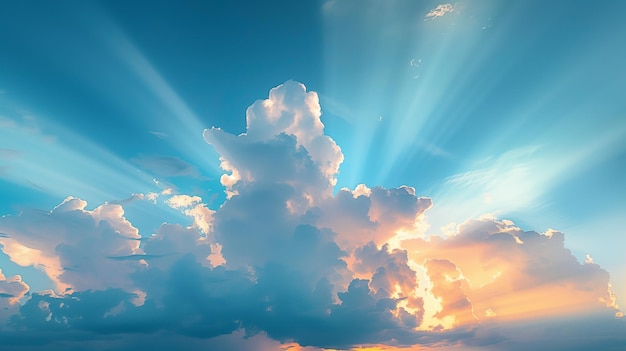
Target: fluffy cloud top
(284,143)
(286,260)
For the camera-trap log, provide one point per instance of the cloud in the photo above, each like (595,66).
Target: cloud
(183,201)
(167,166)
(288,262)
(375,214)
(71,244)
(192,206)
(440,11)
(12,289)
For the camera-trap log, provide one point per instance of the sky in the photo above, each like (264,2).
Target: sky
(312,175)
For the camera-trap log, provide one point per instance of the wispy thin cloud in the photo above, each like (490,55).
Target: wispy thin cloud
(440,11)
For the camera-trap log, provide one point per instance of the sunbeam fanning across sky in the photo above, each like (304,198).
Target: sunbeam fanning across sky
(319,175)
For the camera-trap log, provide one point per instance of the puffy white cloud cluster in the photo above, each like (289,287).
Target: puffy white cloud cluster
(72,245)
(287,259)
(12,289)
(284,144)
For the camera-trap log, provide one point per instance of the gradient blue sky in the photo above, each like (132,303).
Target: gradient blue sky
(513,109)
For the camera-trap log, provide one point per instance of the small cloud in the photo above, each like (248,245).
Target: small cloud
(167,166)
(158,134)
(192,206)
(12,289)
(440,11)
(415,63)
(152,197)
(136,257)
(183,201)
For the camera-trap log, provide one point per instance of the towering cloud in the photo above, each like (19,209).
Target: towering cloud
(288,260)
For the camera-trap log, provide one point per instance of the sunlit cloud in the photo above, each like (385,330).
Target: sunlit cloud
(12,289)
(291,264)
(440,11)
(194,207)
(449,177)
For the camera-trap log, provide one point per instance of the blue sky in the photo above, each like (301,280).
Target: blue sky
(493,110)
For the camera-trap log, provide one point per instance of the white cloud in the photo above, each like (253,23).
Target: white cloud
(287,259)
(440,11)
(193,207)
(512,273)
(72,244)
(182,201)
(12,289)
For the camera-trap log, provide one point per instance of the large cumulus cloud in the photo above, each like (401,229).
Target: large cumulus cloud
(287,259)
(493,269)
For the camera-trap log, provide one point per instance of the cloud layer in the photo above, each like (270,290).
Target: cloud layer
(287,259)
